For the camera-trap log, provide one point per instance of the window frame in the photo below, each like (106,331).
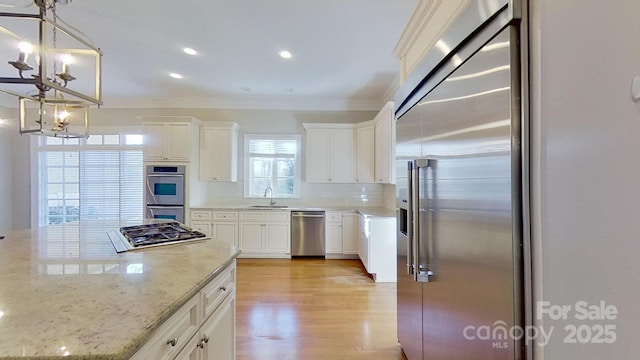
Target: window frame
(248,172)
(39,145)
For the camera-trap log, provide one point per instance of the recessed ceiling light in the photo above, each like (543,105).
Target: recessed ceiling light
(175,76)
(285,54)
(190,51)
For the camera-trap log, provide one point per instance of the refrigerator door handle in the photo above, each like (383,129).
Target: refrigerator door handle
(422,271)
(411,268)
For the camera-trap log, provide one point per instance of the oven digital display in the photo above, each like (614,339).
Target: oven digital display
(165,189)
(169,217)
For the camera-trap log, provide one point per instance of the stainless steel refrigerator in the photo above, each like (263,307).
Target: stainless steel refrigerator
(459,195)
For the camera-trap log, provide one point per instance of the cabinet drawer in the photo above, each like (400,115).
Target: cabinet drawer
(214,293)
(225,216)
(173,334)
(202,226)
(251,216)
(333,217)
(199,215)
(282,216)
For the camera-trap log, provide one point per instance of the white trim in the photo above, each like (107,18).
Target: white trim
(310,103)
(297,158)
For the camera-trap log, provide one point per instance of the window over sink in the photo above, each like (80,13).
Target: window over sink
(272,162)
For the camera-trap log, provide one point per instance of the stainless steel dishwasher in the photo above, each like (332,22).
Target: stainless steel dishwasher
(307,233)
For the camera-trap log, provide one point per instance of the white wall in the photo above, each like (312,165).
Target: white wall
(586,167)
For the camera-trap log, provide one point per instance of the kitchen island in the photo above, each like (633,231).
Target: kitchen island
(65,292)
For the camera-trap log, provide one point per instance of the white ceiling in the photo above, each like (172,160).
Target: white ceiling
(342,51)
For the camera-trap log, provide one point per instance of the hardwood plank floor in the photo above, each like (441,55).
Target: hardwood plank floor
(313,309)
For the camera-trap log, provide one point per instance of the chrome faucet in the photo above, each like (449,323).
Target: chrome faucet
(270,190)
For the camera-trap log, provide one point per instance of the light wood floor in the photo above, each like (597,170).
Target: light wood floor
(313,309)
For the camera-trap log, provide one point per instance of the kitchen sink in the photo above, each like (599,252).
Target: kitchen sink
(269,206)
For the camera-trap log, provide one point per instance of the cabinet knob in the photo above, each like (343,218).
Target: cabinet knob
(223,288)
(203,341)
(172,342)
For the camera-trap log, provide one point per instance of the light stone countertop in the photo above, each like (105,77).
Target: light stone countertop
(64,291)
(364,210)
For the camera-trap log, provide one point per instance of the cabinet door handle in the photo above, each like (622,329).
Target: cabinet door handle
(223,288)
(203,341)
(173,342)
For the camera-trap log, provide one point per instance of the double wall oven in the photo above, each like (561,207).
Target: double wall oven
(164,195)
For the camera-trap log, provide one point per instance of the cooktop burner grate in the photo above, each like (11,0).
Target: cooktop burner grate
(151,234)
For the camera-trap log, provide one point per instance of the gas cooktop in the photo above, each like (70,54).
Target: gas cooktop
(148,235)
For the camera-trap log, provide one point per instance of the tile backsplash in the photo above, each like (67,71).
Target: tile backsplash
(311,194)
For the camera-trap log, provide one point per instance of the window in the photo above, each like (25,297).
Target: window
(96,178)
(272,161)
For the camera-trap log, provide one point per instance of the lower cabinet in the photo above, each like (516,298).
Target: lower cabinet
(221,225)
(341,235)
(377,247)
(217,341)
(349,233)
(202,329)
(265,233)
(214,341)
(333,233)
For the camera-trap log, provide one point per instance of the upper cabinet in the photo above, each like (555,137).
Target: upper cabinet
(385,136)
(170,138)
(219,152)
(330,153)
(365,157)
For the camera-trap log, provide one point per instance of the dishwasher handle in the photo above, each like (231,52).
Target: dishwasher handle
(307,215)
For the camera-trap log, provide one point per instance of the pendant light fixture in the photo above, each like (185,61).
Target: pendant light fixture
(56,75)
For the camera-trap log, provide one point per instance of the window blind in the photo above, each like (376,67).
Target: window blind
(88,180)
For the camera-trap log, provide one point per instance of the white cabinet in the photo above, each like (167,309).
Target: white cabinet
(202,329)
(384,145)
(219,152)
(265,233)
(330,153)
(169,138)
(377,247)
(222,225)
(227,231)
(333,233)
(218,335)
(365,160)
(349,233)
(341,235)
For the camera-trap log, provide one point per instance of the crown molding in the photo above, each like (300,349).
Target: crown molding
(245,102)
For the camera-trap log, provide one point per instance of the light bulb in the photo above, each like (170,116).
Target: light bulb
(66,59)
(25,49)
(63,115)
